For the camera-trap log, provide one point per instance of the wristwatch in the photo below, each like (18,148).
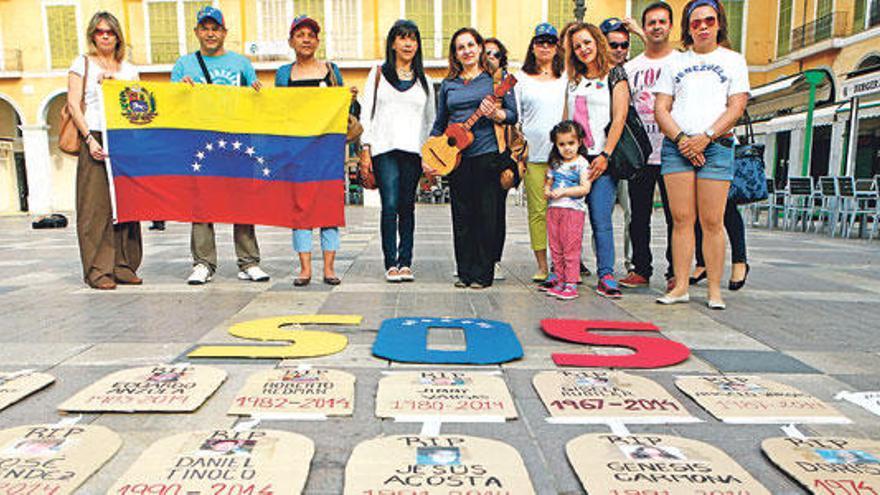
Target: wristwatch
(603,153)
(679,137)
(710,133)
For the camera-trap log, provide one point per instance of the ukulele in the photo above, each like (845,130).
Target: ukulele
(443,153)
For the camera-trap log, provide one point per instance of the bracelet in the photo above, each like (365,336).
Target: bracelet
(679,137)
(605,154)
(88,136)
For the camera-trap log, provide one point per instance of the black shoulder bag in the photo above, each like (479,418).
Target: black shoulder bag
(634,146)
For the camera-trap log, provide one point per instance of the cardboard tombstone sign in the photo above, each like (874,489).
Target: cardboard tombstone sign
(300,343)
(18,385)
(826,465)
(160,388)
(440,465)
(221,461)
(53,459)
(755,400)
(584,396)
(642,464)
(452,395)
(406,340)
(296,392)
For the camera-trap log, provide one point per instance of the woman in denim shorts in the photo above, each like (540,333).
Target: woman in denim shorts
(700,97)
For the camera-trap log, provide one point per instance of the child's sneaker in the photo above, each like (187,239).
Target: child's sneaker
(608,287)
(550,282)
(556,291)
(568,292)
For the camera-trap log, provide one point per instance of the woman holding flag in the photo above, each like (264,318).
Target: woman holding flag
(110,254)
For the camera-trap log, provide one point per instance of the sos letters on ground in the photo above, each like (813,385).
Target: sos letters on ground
(162,388)
(52,459)
(300,343)
(641,464)
(296,392)
(755,400)
(17,386)
(440,465)
(223,462)
(582,396)
(649,352)
(451,395)
(406,340)
(828,466)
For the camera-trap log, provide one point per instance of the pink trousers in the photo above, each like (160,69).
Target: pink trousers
(565,232)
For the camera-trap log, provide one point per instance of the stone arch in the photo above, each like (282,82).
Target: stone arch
(13,174)
(871,59)
(15,106)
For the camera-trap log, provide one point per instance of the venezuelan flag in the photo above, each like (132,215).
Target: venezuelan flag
(226,154)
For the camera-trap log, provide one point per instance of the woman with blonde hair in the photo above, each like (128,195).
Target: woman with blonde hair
(110,254)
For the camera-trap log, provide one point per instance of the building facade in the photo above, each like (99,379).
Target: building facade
(40,38)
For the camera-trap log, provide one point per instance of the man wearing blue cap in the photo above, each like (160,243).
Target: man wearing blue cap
(212,64)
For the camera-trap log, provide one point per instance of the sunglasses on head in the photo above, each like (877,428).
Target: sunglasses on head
(615,45)
(708,21)
(103,32)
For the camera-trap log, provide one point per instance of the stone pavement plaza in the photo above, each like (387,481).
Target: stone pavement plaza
(807,317)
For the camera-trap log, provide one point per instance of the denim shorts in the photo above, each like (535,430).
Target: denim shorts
(718,166)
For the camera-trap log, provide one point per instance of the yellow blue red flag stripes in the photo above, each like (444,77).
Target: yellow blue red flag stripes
(226,154)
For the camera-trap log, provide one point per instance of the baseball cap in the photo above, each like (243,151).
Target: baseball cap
(305,20)
(209,12)
(546,29)
(612,24)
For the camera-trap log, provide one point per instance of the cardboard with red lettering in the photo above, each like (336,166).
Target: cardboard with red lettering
(583,396)
(452,395)
(656,464)
(53,459)
(292,393)
(756,400)
(828,465)
(436,465)
(221,461)
(160,388)
(16,386)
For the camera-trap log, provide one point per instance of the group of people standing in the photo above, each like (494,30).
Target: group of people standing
(571,101)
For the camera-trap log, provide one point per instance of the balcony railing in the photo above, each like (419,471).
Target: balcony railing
(10,62)
(830,26)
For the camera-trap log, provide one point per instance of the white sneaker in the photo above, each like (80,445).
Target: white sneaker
(200,275)
(254,274)
(498,274)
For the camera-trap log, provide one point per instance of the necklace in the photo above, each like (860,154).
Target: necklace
(404,75)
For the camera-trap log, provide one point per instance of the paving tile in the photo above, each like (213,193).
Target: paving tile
(727,361)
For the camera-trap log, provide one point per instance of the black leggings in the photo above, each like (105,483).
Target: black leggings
(736,234)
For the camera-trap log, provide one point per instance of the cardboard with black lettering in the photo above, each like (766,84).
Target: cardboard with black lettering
(440,465)
(591,397)
(870,401)
(160,388)
(755,400)
(452,395)
(221,461)
(53,459)
(828,465)
(16,386)
(296,392)
(662,464)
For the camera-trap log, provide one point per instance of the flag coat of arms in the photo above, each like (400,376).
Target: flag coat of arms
(226,154)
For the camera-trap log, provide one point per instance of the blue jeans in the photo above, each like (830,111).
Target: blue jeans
(302,239)
(601,203)
(397,175)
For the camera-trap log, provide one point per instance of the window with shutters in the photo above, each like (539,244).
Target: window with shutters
(860,8)
(422,13)
(344,28)
(316,10)
(170,26)
(636,45)
(735,10)
(437,21)
(783,33)
(456,15)
(190,11)
(560,13)
(63,35)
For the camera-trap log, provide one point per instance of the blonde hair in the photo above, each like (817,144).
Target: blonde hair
(113,22)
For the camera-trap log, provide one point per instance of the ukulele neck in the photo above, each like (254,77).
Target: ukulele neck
(467,124)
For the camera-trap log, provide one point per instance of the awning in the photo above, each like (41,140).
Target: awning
(827,115)
(788,95)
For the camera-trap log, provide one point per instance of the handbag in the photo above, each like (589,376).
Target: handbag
(513,148)
(366,176)
(634,146)
(355,129)
(749,182)
(69,137)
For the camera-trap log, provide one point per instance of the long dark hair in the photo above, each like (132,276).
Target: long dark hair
(404,28)
(530,66)
(686,39)
(455,67)
(565,127)
(502,52)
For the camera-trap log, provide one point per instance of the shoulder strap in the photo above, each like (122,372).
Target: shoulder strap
(334,81)
(82,102)
(376,91)
(204,67)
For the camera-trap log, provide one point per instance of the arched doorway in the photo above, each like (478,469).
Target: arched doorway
(63,166)
(871,61)
(13,174)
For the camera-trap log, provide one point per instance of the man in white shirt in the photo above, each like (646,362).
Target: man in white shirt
(643,72)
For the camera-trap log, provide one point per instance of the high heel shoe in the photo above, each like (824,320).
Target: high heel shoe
(738,284)
(696,280)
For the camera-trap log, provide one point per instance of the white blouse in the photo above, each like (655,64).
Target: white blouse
(92,87)
(403,119)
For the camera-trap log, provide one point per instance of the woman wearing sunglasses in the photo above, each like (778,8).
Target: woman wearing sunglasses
(700,97)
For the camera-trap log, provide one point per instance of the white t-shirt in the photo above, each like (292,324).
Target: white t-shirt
(700,85)
(403,118)
(643,73)
(540,108)
(568,174)
(126,72)
(598,110)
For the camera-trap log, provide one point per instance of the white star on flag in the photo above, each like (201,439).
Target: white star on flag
(236,145)
(221,144)
(260,160)
(266,172)
(200,155)
(196,166)
(209,147)
(249,151)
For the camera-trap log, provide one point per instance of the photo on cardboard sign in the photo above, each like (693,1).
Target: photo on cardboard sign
(444,381)
(738,386)
(593,381)
(652,452)
(438,456)
(165,376)
(226,446)
(300,376)
(833,456)
(36,447)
